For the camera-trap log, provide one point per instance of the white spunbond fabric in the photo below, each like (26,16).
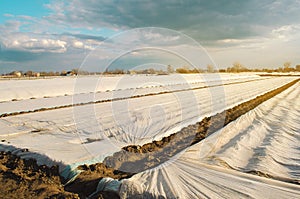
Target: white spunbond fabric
(84,133)
(19,89)
(265,139)
(186,178)
(52,101)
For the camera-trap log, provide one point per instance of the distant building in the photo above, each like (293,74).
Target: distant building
(17,74)
(71,73)
(132,72)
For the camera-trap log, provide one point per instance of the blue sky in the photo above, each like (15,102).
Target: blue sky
(58,35)
(34,8)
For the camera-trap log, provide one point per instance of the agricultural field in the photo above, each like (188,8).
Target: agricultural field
(149,99)
(90,120)
(264,142)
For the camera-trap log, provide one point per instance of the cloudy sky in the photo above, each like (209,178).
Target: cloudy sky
(56,35)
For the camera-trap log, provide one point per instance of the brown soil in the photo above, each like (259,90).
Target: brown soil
(25,179)
(20,178)
(279,75)
(86,183)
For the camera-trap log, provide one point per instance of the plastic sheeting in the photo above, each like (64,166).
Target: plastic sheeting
(108,184)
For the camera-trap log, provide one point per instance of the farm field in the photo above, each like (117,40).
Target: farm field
(73,126)
(149,99)
(264,141)
(29,95)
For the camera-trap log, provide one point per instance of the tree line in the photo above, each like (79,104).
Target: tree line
(238,67)
(235,68)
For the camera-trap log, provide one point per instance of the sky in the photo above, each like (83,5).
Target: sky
(56,35)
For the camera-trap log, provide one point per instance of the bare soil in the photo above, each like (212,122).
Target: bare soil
(25,179)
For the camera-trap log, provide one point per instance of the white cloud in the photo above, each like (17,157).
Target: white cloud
(230,41)
(78,44)
(8,15)
(89,45)
(211,20)
(286,32)
(135,53)
(257,42)
(12,39)
(33,44)
(9,26)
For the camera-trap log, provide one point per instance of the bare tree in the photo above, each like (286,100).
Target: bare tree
(238,66)
(286,66)
(170,69)
(210,68)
